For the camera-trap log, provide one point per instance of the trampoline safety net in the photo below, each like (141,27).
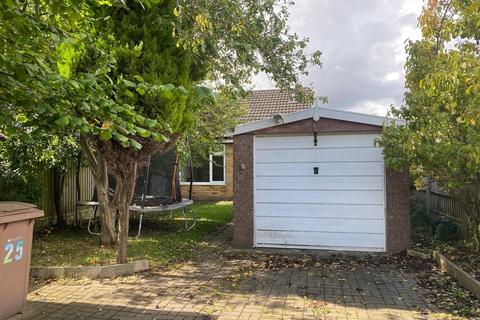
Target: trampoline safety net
(158,183)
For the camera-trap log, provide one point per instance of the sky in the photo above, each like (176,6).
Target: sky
(363,50)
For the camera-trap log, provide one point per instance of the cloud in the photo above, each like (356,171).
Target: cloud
(363,50)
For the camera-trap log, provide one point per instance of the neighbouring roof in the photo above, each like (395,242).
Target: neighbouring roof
(316,113)
(263,104)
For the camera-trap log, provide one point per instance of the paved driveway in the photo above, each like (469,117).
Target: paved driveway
(220,285)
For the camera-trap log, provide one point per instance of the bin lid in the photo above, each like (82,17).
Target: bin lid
(16,211)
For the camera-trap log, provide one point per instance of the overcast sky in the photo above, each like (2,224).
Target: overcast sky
(362,44)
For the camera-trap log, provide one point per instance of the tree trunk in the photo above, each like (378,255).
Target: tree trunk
(125,189)
(107,233)
(98,166)
(469,199)
(58,178)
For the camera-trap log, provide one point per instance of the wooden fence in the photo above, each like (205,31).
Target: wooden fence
(69,196)
(440,202)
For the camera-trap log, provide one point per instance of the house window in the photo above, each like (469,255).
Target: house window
(212,171)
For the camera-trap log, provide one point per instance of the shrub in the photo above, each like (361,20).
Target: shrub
(24,188)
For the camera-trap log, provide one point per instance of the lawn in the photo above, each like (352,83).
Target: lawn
(163,241)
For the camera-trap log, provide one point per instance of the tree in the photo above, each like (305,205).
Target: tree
(130,77)
(27,63)
(442,136)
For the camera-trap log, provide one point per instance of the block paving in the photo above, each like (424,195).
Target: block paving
(220,286)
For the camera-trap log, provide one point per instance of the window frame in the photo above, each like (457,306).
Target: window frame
(210,172)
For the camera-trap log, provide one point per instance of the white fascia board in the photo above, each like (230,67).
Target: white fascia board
(353,117)
(299,115)
(316,113)
(256,125)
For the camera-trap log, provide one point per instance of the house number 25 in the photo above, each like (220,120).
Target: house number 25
(14,251)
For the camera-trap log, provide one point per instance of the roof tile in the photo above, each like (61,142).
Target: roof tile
(263,104)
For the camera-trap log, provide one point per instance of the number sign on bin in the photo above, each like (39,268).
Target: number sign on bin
(13,250)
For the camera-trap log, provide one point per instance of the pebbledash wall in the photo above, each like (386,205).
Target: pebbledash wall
(222,191)
(397,183)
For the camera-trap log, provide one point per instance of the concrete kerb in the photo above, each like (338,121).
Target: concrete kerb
(464,278)
(301,252)
(418,254)
(93,272)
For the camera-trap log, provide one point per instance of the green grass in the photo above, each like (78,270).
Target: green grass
(163,241)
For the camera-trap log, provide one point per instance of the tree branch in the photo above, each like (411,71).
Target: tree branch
(6,73)
(442,21)
(92,160)
(25,5)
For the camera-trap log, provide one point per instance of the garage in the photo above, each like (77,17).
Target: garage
(328,196)
(316,179)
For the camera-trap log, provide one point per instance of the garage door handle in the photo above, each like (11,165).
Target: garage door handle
(315,170)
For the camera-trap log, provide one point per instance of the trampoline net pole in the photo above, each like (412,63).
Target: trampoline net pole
(190,168)
(145,182)
(174,179)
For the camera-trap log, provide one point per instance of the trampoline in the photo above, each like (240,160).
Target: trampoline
(157,191)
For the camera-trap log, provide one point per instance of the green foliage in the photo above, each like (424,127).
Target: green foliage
(109,69)
(35,155)
(446,229)
(241,38)
(421,222)
(442,136)
(146,51)
(206,137)
(21,187)
(24,160)
(40,92)
(114,62)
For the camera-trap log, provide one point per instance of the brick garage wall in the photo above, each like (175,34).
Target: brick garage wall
(243,191)
(397,183)
(398,210)
(215,192)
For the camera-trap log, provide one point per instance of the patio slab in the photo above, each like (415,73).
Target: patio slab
(220,285)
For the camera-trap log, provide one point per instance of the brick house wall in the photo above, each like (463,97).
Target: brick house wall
(215,191)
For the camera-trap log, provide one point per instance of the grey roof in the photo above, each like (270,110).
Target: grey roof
(263,104)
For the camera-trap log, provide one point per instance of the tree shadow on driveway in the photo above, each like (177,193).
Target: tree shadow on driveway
(221,285)
(84,311)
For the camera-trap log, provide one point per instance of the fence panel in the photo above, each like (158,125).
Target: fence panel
(445,205)
(69,196)
(438,201)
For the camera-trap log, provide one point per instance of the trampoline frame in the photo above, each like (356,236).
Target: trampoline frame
(185,204)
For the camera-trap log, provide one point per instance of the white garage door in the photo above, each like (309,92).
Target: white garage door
(329,196)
